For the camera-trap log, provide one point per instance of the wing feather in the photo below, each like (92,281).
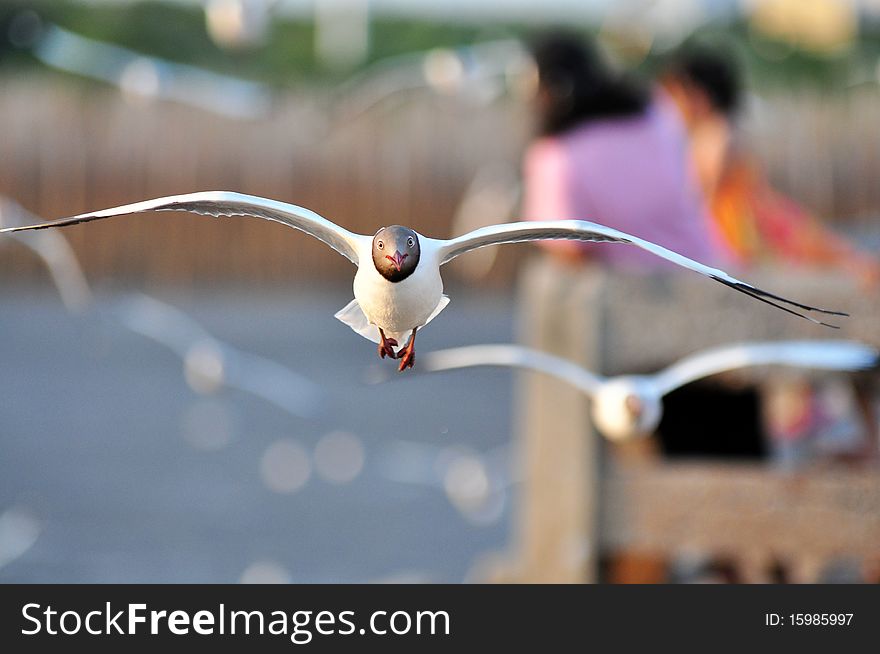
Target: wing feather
(816,355)
(511,356)
(228,203)
(581,230)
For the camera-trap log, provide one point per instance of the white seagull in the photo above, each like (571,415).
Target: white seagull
(397,287)
(631,405)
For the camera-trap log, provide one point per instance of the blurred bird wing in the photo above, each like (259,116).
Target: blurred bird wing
(494,191)
(580,230)
(180,333)
(227,203)
(512,356)
(55,252)
(272,382)
(161,322)
(817,355)
(67,275)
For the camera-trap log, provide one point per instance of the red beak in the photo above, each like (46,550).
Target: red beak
(397,259)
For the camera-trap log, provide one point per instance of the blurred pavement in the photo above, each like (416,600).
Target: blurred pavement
(127,475)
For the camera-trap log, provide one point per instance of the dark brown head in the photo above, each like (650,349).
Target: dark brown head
(396,252)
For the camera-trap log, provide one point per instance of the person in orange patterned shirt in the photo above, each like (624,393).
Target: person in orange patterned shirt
(757,222)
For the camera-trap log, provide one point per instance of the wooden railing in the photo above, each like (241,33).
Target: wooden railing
(581,497)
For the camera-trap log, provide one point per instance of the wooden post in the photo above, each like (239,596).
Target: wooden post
(558,514)
(579,495)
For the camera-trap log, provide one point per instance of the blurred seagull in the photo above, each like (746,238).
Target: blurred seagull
(151,77)
(55,252)
(479,71)
(209,364)
(397,287)
(631,405)
(19,530)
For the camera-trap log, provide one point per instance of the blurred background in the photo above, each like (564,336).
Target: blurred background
(127,459)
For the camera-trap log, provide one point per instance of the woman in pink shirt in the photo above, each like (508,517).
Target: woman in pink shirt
(610,153)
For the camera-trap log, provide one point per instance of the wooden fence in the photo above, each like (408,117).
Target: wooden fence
(68,147)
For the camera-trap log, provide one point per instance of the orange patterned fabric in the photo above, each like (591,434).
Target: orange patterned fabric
(762,225)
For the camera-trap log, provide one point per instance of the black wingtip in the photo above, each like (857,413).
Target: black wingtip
(763,296)
(779,298)
(32,228)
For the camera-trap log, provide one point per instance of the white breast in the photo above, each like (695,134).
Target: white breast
(399,307)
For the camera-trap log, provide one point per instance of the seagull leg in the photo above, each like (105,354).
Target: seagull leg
(386,346)
(407,355)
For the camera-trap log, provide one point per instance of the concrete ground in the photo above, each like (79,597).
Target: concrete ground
(112,469)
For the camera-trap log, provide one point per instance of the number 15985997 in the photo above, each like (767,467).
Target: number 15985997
(808,619)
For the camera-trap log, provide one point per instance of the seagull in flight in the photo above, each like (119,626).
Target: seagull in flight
(397,287)
(210,364)
(628,406)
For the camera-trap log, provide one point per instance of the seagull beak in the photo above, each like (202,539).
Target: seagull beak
(397,259)
(635,406)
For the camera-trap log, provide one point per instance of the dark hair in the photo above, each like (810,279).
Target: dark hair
(579,85)
(715,72)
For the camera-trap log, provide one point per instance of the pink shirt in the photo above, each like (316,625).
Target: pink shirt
(629,173)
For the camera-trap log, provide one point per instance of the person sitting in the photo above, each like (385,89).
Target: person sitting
(759,224)
(610,151)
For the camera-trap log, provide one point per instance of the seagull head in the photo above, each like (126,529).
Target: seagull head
(396,252)
(627,407)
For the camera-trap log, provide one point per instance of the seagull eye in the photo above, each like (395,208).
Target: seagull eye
(410,241)
(380,245)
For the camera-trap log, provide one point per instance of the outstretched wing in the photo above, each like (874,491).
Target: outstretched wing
(581,230)
(227,203)
(817,355)
(511,356)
